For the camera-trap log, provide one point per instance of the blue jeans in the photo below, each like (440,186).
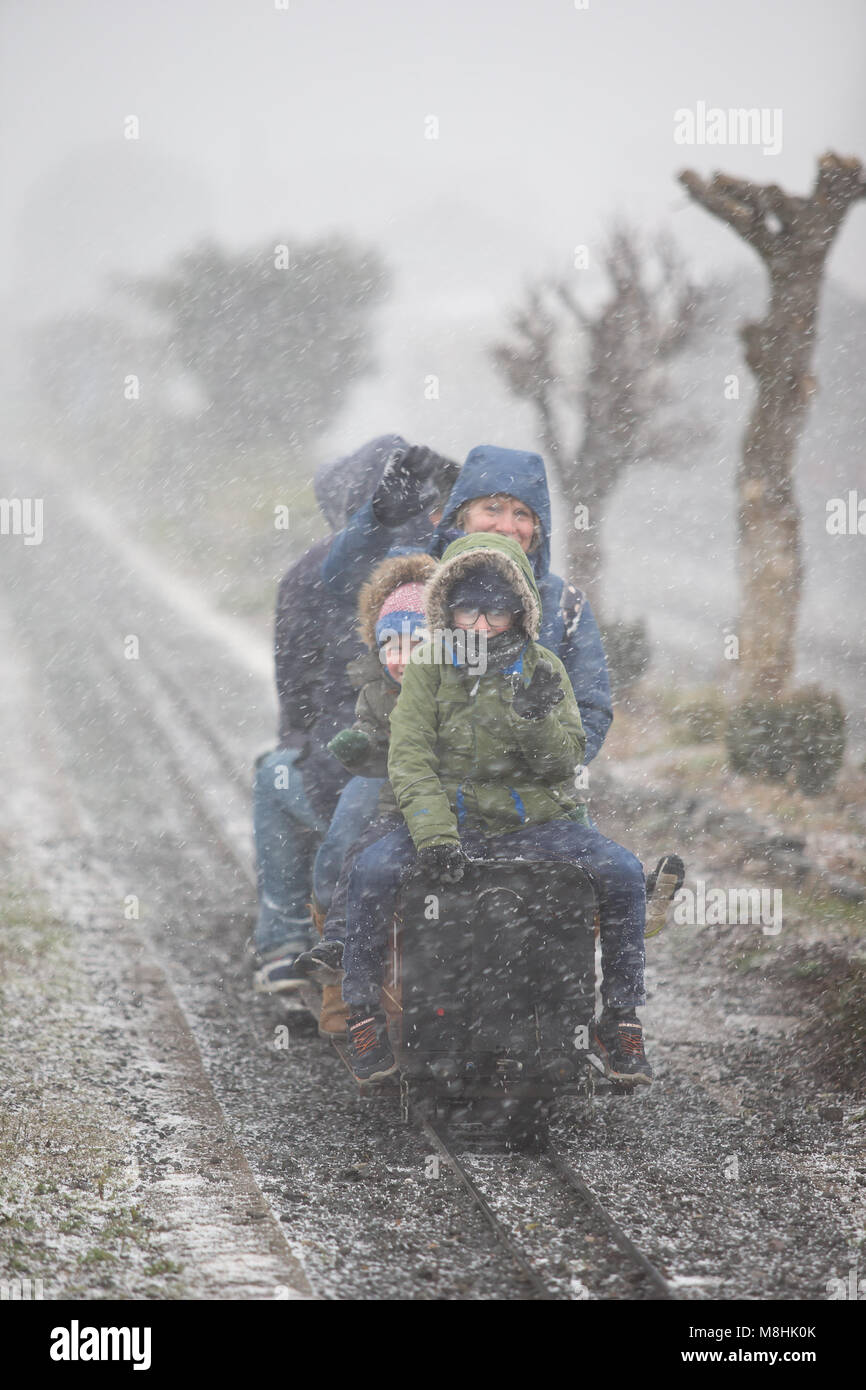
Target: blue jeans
(371,831)
(356,808)
(617,874)
(287,835)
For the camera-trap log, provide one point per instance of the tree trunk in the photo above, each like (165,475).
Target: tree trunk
(792,236)
(779,351)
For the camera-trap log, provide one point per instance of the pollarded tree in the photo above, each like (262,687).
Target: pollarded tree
(598,380)
(793,236)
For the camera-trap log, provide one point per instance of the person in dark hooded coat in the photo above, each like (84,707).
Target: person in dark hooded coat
(568,627)
(297,785)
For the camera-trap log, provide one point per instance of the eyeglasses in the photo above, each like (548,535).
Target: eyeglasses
(496,617)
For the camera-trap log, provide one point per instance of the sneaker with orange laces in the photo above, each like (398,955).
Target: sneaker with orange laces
(618,1043)
(370,1055)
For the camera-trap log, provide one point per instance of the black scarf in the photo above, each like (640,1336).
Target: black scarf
(504,649)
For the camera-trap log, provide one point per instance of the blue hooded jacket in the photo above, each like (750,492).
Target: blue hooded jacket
(568,626)
(489,470)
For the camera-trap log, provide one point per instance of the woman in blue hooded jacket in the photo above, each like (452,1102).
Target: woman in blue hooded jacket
(491,482)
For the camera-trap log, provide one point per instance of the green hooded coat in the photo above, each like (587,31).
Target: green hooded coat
(460,758)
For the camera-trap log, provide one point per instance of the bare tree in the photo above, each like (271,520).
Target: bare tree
(608,407)
(793,237)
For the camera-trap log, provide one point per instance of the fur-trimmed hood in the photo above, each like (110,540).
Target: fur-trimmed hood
(388,575)
(470,552)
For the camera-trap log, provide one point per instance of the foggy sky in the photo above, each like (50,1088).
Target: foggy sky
(260,123)
(257,120)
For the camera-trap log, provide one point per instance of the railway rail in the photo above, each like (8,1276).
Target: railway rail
(542,1289)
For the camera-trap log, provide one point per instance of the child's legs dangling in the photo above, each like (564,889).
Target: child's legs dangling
(373,886)
(377,829)
(356,807)
(621,887)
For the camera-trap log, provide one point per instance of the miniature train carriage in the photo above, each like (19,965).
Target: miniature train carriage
(491,992)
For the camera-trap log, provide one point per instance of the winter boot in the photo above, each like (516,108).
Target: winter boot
(662,886)
(334,1014)
(324,963)
(618,1043)
(276,974)
(370,1055)
(318,916)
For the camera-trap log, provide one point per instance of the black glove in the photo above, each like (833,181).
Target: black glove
(444,863)
(405,487)
(535,700)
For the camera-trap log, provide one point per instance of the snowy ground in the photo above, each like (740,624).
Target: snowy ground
(159,1142)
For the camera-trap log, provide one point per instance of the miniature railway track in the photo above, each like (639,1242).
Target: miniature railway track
(542,1290)
(612,1229)
(571,1176)
(175,723)
(199,718)
(163,691)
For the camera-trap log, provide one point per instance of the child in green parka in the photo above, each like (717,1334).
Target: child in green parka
(482,763)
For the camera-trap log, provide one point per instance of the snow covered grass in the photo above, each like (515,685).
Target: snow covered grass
(656,793)
(652,727)
(68,1219)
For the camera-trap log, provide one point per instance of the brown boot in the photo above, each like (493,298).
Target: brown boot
(334,1015)
(318,916)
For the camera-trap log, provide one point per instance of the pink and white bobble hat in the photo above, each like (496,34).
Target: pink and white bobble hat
(404,606)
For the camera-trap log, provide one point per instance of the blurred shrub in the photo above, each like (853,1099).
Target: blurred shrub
(627,648)
(817,724)
(758,739)
(700,716)
(804,734)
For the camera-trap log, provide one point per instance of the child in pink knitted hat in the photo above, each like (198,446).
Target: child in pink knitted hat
(391,622)
(399,627)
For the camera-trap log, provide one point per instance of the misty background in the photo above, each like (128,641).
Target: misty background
(260,125)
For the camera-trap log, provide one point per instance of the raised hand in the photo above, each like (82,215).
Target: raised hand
(535,700)
(406,486)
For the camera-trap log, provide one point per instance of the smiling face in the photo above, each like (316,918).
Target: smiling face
(397,655)
(505,515)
